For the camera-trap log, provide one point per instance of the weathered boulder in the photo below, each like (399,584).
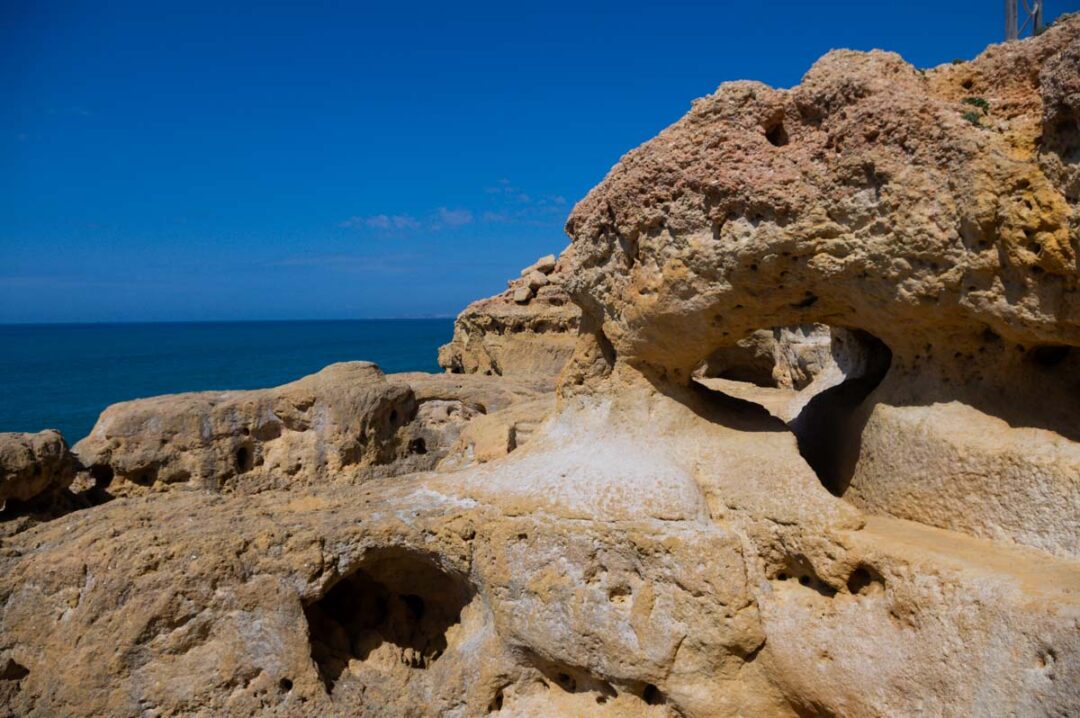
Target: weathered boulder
(345,423)
(33,465)
(528,331)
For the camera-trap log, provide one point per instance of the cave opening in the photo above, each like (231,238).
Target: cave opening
(243,460)
(814,378)
(397,606)
(777,135)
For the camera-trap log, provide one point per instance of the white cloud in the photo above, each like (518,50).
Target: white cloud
(455,217)
(384,222)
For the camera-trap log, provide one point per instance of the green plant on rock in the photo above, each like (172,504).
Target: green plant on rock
(979,102)
(973,117)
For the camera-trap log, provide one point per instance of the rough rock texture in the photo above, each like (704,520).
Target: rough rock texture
(865,199)
(528,330)
(34,464)
(569,581)
(345,423)
(658,547)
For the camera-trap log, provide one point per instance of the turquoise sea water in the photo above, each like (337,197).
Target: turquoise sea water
(61,376)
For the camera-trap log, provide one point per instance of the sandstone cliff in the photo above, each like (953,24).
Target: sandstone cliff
(869,509)
(528,330)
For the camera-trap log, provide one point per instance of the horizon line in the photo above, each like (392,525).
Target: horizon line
(223,321)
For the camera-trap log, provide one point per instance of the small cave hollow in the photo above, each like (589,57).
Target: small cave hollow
(799,569)
(102,475)
(776,134)
(865,580)
(244,459)
(397,601)
(812,377)
(1050,355)
(11,675)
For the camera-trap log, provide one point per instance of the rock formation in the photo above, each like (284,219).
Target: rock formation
(528,330)
(32,465)
(345,423)
(669,541)
(928,209)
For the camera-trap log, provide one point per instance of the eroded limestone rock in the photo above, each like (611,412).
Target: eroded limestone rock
(864,199)
(345,423)
(527,331)
(657,547)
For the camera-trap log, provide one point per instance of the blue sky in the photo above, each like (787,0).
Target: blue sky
(192,161)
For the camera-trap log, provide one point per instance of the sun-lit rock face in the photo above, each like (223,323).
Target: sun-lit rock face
(33,465)
(869,196)
(934,210)
(868,509)
(529,330)
(343,424)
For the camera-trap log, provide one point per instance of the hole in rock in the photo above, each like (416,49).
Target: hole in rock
(776,134)
(798,569)
(1050,356)
(285,685)
(11,675)
(102,474)
(13,671)
(865,580)
(396,607)
(812,377)
(417,446)
(652,695)
(243,460)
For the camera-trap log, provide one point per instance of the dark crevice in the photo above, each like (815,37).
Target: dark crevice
(799,569)
(395,596)
(1049,356)
(243,460)
(828,429)
(11,675)
(652,695)
(865,580)
(102,475)
(777,135)
(13,671)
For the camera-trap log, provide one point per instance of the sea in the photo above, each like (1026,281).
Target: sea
(61,376)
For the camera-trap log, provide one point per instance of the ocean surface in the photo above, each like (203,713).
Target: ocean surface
(61,376)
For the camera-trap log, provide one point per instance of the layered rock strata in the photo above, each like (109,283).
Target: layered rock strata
(528,330)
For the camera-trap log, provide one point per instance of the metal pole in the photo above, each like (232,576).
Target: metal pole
(1010,20)
(1038,17)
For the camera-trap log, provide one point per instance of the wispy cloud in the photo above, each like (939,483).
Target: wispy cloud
(505,204)
(455,217)
(384,222)
(355,263)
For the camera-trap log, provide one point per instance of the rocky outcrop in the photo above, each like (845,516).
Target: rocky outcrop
(568,581)
(528,330)
(919,207)
(34,465)
(346,423)
(899,542)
